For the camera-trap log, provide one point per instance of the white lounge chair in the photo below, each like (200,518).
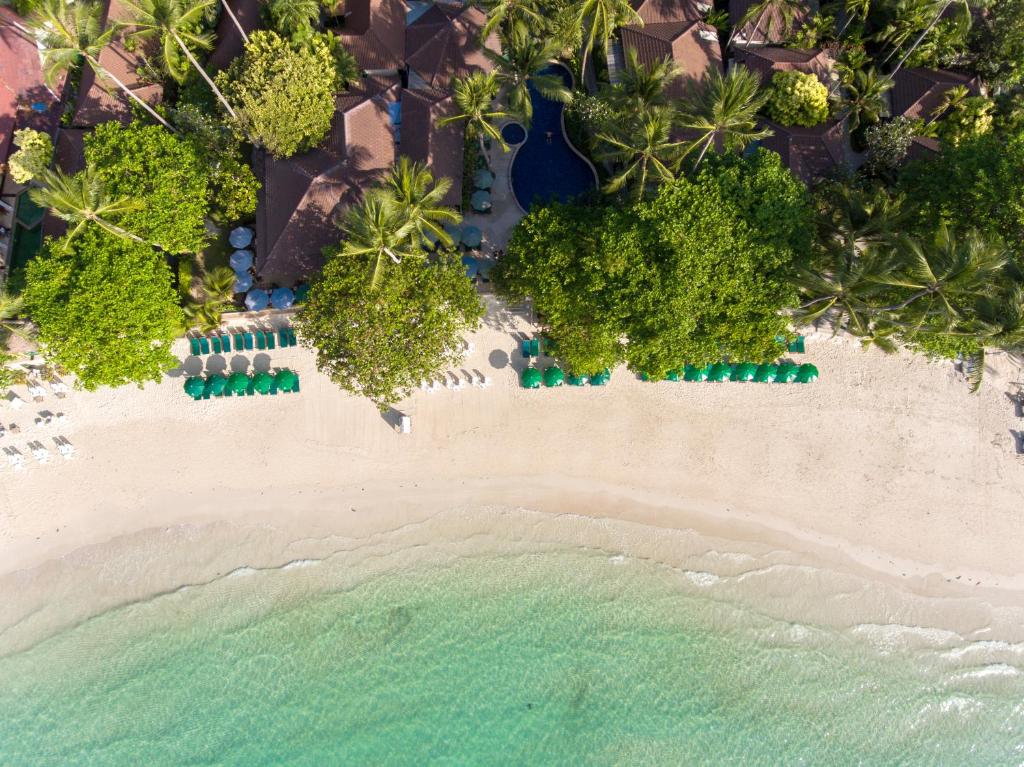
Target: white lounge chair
(487,381)
(17,461)
(66,449)
(41,454)
(37,392)
(14,401)
(459,384)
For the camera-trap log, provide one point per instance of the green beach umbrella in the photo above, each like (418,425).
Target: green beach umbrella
(483,179)
(215,384)
(720,372)
(480,200)
(600,379)
(787,373)
(263,382)
(807,373)
(766,373)
(574,380)
(194,386)
(238,382)
(554,376)
(672,375)
(285,379)
(531,378)
(694,373)
(744,371)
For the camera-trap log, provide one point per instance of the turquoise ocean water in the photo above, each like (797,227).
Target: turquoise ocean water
(567,657)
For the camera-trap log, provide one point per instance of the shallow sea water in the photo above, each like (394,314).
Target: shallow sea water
(561,657)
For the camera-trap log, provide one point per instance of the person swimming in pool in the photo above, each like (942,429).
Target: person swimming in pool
(548,136)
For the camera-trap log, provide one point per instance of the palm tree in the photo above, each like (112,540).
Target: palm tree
(725,109)
(234,18)
(520,65)
(175,23)
(378,227)
(80,200)
(847,286)
(508,13)
(644,149)
(787,11)
(71,32)
(951,99)
(473,96)
(642,86)
(294,18)
(855,9)
(854,221)
(599,19)
(941,9)
(865,97)
(219,285)
(420,198)
(10,307)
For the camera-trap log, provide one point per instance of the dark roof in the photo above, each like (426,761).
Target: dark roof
(769,30)
(810,153)
(440,148)
(69,150)
(767,60)
(680,41)
(444,43)
(661,11)
(302,195)
(21,85)
(374,33)
(918,92)
(229,40)
(923,147)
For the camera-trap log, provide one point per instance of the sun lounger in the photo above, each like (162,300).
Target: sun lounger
(261,341)
(282,336)
(215,344)
(526,349)
(66,449)
(225,342)
(194,346)
(239,343)
(250,389)
(204,344)
(292,340)
(269,334)
(535,347)
(59,388)
(248,340)
(797,346)
(296,387)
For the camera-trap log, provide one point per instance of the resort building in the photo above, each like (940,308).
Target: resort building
(811,153)
(230,42)
(444,43)
(767,60)
(374,32)
(918,92)
(421,140)
(767,27)
(691,44)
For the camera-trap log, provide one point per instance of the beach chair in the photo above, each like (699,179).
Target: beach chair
(295,388)
(261,341)
(269,334)
(797,346)
(292,340)
(248,340)
(282,336)
(526,349)
(273,388)
(204,344)
(250,389)
(215,344)
(535,347)
(194,345)
(239,343)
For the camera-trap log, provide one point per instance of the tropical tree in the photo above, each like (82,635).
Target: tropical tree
(379,229)
(508,15)
(724,110)
(421,199)
(865,97)
(69,33)
(951,99)
(175,23)
(854,220)
(82,199)
(642,86)
(11,306)
(940,8)
(644,149)
(785,10)
(294,18)
(855,9)
(474,96)
(219,284)
(520,64)
(599,20)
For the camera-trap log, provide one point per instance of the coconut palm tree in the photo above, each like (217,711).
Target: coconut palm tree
(787,11)
(865,97)
(175,23)
(854,221)
(951,99)
(68,33)
(508,14)
(80,200)
(474,96)
(644,149)
(599,20)
(848,287)
(855,9)
(520,64)
(379,228)
(724,109)
(420,198)
(219,285)
(941,8)
(294,18)
(10,307)
(642,86)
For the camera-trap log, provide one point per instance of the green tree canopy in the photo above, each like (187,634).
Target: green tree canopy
(35,152)
(702,271)
(162,173)
(382,341)
(283,92)
(105,308)
(797,99)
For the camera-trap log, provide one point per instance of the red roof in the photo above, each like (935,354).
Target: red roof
(811,153)
(444,43)
(440,148)
(661,11)
(25,101)
(768,60)
(918,92)
(693,45)
(374,33)
(229,40)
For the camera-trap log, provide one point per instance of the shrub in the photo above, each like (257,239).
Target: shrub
(797,99)
(34,155)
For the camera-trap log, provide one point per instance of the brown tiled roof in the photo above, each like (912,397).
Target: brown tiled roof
(302,195)
(663,11)
(374,33)
(21,84)
(923,147)
(440,148)
(444,43)
(811,153)
(679,41)
(918,92)
(769,30)
(229,40)
(768,60)
(68,152)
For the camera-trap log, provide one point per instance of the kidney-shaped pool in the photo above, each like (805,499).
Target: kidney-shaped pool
(547,166)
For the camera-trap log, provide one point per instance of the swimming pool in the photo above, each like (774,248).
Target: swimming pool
(547,166)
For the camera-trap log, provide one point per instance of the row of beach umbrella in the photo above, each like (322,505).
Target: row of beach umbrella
(238,383)
(770,372)
(554,376)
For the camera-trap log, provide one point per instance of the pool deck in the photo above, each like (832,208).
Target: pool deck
(505,213)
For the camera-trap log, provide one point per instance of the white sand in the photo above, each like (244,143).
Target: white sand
(887,463)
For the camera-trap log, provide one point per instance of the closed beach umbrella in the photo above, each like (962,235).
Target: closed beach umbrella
(194,386)
(574,380)
(238,382)
(483,179)
(241,260)
(215,384)
(554,376)
(766,373)
(531,378)
(472,267)
(285,380)
(282,298)
(257,300)
(240,237)
(481,200)
(787,373)
(243,282)
(720,372)
(744,371)
(472,236)
(807,373)
(600,379)
(263,382)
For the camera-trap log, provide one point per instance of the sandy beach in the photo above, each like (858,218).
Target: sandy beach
(887,466)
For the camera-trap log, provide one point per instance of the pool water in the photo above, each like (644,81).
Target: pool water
(547,167)
(513,133)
